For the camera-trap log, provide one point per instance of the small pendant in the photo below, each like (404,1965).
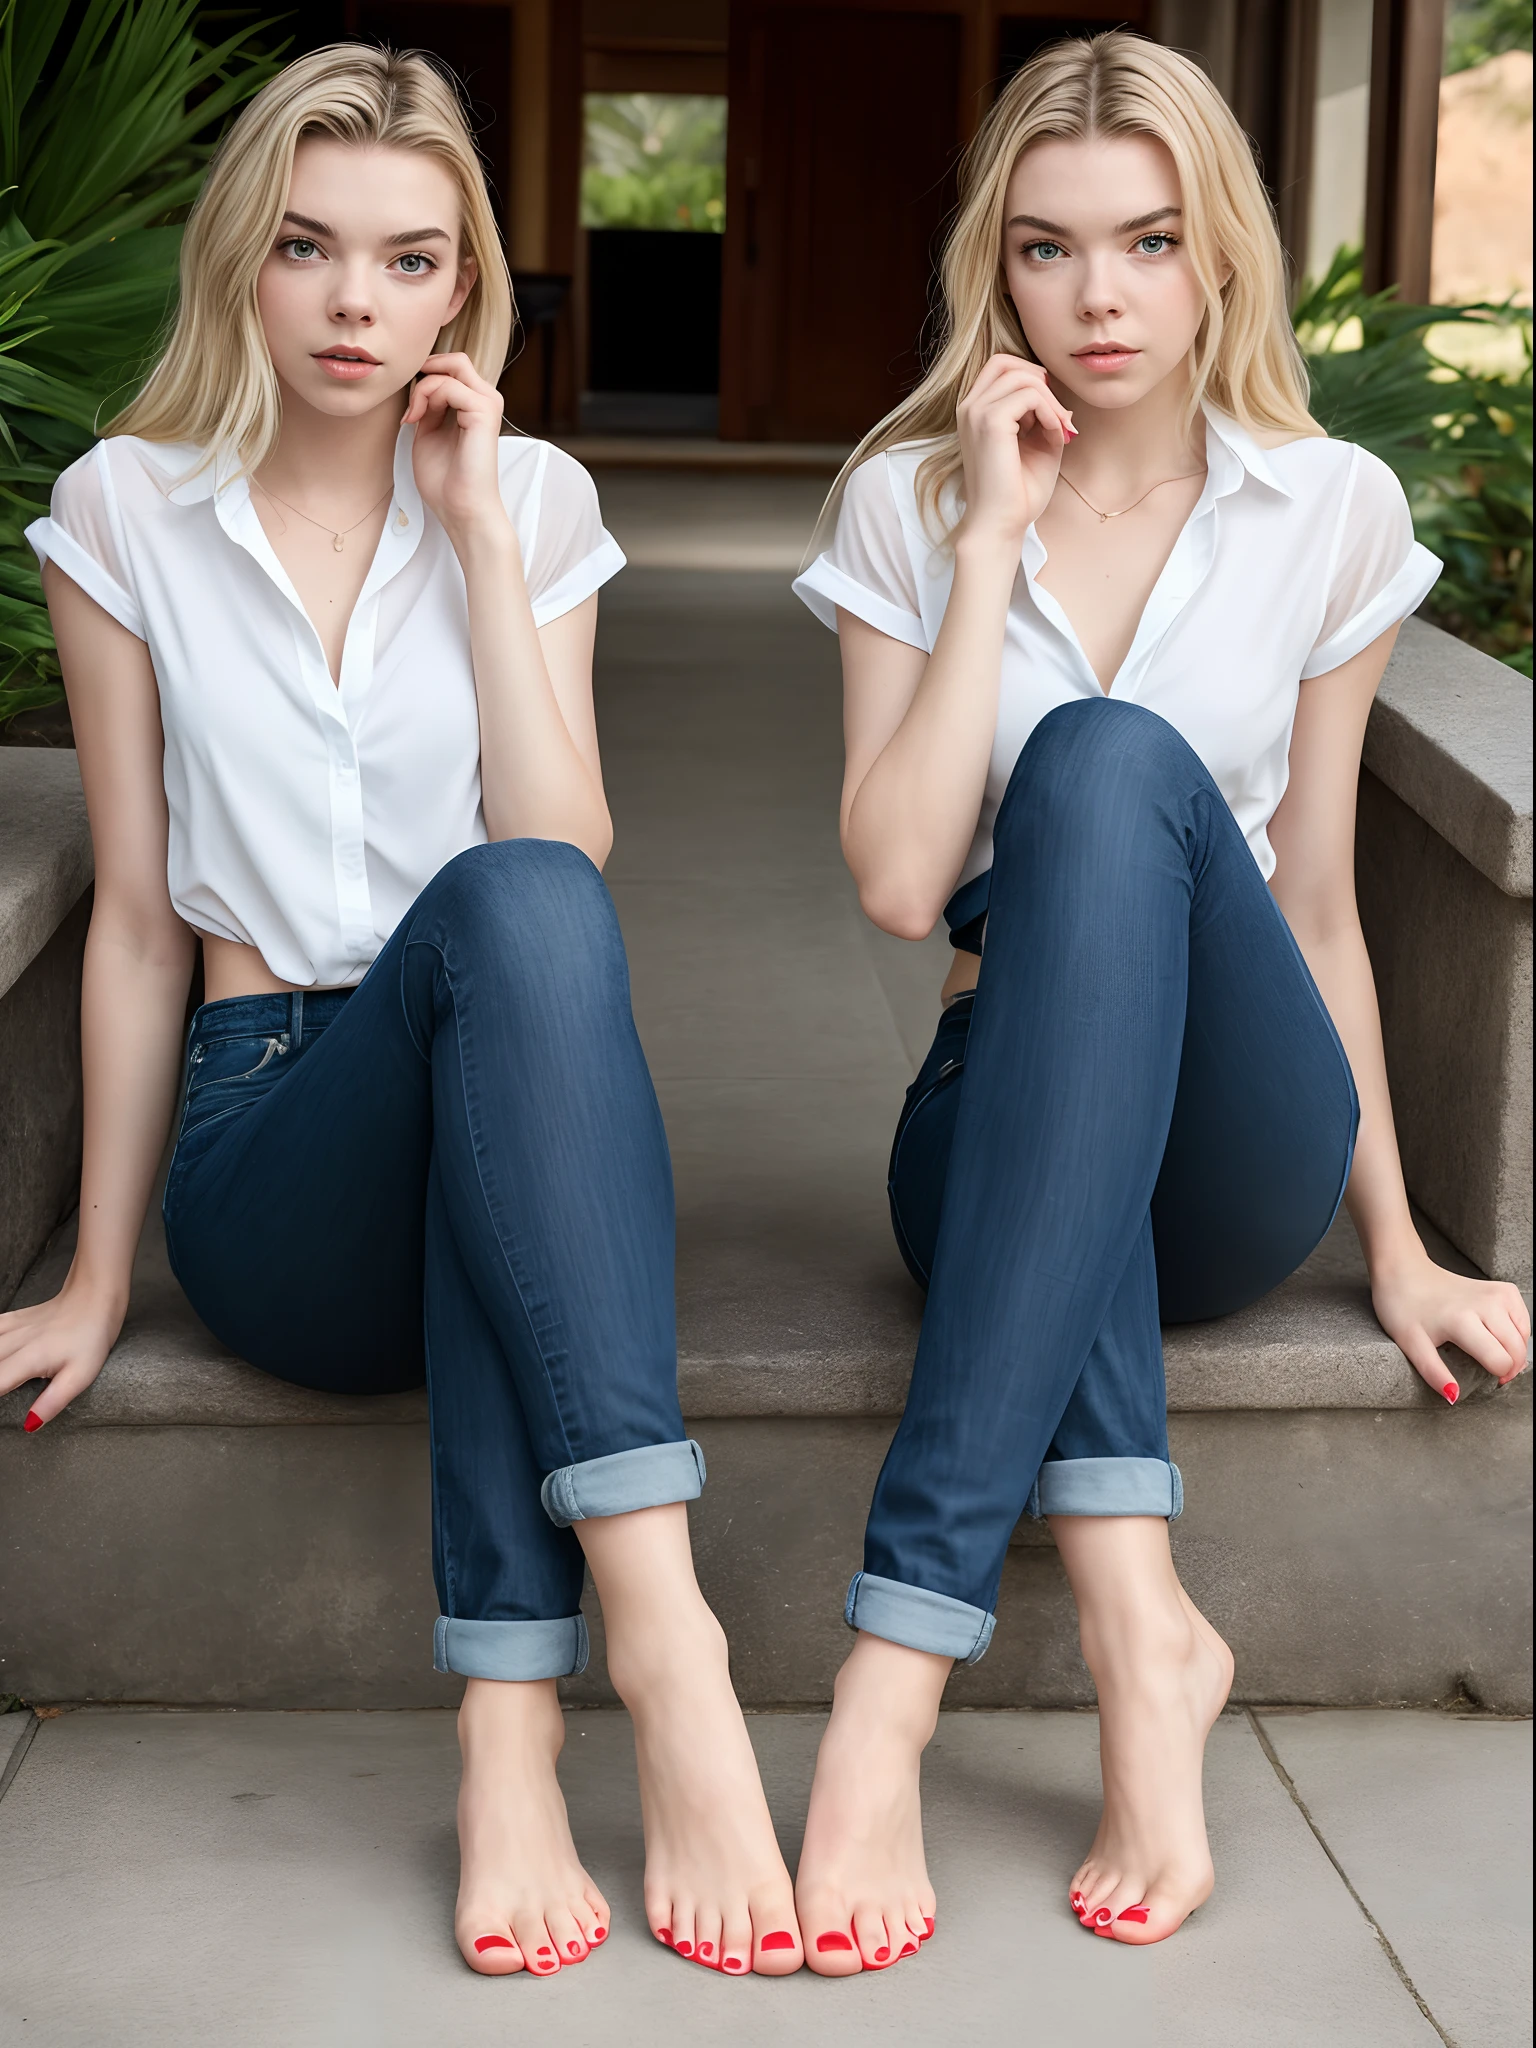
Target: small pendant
(1104,518)
(339,543)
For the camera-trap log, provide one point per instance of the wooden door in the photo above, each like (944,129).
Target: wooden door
(844,127)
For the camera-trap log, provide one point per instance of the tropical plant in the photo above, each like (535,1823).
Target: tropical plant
(1459,439)
(108,114)
(654,160)
(1476,30)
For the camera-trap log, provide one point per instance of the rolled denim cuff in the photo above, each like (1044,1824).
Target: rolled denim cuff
(918,1618)
(1107,1486)
(650,1477)
(510,1649)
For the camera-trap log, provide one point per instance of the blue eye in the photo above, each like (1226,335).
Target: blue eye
(415,257)
(1154,245)
(300,248)
(1045,252)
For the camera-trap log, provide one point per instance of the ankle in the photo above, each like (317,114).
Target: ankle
(1127,1640)
(511,1713)
(886,1688)
(657,1651)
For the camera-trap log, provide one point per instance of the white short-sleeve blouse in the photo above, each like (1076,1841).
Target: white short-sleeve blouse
(305,818)
(1293,560)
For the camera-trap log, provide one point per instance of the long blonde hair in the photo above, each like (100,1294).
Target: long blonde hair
(1245,357)
(214,383)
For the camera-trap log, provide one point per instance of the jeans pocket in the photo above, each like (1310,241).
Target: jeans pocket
(220,1072)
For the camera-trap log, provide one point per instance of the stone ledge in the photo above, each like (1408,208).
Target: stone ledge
(1312,1344)
(45,851)
(1450,733)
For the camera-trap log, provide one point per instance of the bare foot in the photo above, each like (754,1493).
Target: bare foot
(1163,1675)
(862,1892)
(716,1889)
(524,1900)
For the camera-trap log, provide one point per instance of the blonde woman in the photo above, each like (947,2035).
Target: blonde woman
(1112,613)
(327,637)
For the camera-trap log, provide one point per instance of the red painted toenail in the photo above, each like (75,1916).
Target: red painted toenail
(1103,1917)
(734,1963)
(1078,1900)
(599,1934)
(492,1941)
(882,1955)
(706,1948)
(1136,1913)
(573,1948)
(684,1948)
(779,1940)
(930,1925)
(909,1950)
(546,1951)
(827,1942)
(664,1934)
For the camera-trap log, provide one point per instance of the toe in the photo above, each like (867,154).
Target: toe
(776,1947)
(1162,1912)
(591,1916)
(536,1943)
(872,1938)
(570,1944)
(683,1937)
(831,1950)
(736,1942)
(492,1954)
(706,1937)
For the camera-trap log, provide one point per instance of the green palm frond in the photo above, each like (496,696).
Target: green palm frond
(1459,438)
(108,115)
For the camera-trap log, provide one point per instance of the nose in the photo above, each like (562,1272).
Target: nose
(352,302)
(1100,296)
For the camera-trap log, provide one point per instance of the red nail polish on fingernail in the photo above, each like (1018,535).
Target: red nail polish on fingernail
(1450,1392)
(734,1963)
(684,1948)
(882,1955)
(492,1941)
(779,1940)
(1136,1913)
(32,1422)
(826,1943)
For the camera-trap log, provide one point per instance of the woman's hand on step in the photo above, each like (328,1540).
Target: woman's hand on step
(1421,1307)
(63,1342)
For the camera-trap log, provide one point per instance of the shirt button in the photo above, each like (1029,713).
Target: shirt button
(402,519)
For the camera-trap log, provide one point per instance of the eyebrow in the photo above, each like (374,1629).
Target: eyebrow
(412,237)
(1126,227)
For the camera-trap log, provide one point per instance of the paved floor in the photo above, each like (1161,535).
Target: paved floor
(244,1880)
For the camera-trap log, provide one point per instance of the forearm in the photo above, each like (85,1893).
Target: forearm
(534,782)
(1376,1198)
(133,1004)
(913,816)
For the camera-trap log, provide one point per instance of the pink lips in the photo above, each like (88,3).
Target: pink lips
(347,364)
(1108,357)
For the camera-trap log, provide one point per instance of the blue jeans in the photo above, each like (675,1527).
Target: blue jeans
(457,1172)
(1144,1111)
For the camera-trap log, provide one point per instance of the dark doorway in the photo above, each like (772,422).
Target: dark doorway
(844,130)
(653,305)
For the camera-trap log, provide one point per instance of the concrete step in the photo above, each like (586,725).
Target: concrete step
(193,1532)
(215,1536)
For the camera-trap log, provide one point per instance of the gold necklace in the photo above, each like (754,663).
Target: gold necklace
(1102,516)
(338,536)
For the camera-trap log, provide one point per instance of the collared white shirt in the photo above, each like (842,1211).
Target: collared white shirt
(306,817)
(1293,560)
